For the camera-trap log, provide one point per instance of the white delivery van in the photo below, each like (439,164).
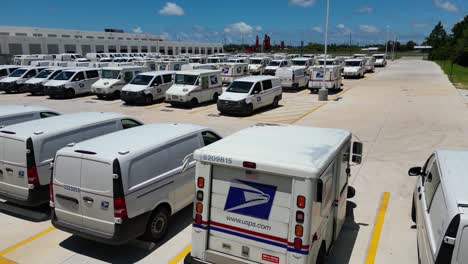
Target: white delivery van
(14,114)
(380,60)
(147,87)
(247,94)
(232,71)
(258,64)
(440,207)
(238,60)
(15,82)
(274,65)
(194,87)
(294,77)
(215,60)
(26,60)
(198,66)
(370,64)
(113,79)
(71,82)
(171,65)
(71,57)
(302,61)
(27,149)
(126,190)
(333,77)
(35,85)
(197,59)
(355,68)
(264,199)
(6,70)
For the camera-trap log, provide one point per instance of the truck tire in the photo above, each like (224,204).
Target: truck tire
(250,110)
(116,95)
(321,257)
(157,225)
(70,93)
(275,102)
(413,211)
(100,96)
(194,102)
(148,99)
(215,97)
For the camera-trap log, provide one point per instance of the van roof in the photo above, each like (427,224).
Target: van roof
(356,59)
(124,67)
(198,71)
(59,123)
(78,69)
(142,138)
(453,167)
(6,110)
(256,78)
(285,149)
(9,66)
(302,59)
(156,73)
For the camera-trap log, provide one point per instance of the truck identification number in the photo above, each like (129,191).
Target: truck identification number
(218,159)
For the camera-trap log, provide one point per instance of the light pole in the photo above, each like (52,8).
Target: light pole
(393,48)
(323,92)
(386,43)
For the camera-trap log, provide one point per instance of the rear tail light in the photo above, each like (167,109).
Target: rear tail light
(198,219)
(297,243)
(200,195)
(33,177)
(200,182)
(299,230)
(250,165)
(199,208)
(300,217)
(300,201)
(120,208)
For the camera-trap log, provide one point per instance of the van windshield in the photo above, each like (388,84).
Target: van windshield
(379,57)
(299,63)
(255,61)
(275,63)
(329,62)
(110,74)
(186,79)
(142,80)
(18,73)
(65,75)
(239,87)
(353,63)
(44,74)
(213,60)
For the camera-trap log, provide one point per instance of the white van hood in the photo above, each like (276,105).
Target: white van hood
(36,80)
(351,69)
(272,67)
(181,89)
(10,79)
(56,83)
(105,83)
(255,66)
(134,88)
(233,96)
(379,61)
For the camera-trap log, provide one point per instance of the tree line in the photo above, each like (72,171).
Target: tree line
(453,46)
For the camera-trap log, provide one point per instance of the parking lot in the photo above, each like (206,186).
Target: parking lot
(400,113)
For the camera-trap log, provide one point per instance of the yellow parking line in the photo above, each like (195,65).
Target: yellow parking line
(155,106)
(26,241)
(309,112)
(181,255)
(374,243)
(6,261)
(202,109)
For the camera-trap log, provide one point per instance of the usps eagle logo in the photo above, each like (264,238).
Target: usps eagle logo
(250,199)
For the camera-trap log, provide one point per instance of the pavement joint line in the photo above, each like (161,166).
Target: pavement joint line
(309,112)
(181,255)
(291,116)
(374,243)
(6,261)
(26,241)
(202,109)
(155,106)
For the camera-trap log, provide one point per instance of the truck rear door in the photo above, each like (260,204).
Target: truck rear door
(13,172)
(97,196)
(249,214)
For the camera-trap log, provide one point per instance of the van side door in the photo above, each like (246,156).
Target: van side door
(167,83)
(91,77)
(256,95)
(342,176)
(78,82)
(268,93)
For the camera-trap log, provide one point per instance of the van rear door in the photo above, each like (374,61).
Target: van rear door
(13,171)
(249,214)
(97,196)
(67,181)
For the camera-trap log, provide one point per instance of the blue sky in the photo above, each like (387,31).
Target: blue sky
(208,20)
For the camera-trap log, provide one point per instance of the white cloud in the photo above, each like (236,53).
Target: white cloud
(166,36)
(369,29)
(340,26)
(137,30)
(171,9)
(317,29)
(303,3)
(446,5)
(241,28)
(365,9)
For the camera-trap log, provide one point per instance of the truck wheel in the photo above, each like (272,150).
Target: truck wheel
(116,95)
(275,102)
(215,97)
(157,225)
(413,211)
(148,99)
(321,257)
(100,96)
(250,110)
(194,102)
(70,93)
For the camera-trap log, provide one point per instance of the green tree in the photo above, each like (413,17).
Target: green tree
(410,45)
(438,39)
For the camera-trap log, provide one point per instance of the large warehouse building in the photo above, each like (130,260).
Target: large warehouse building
(29,40)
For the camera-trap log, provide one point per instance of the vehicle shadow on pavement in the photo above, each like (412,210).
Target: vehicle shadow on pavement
(134,250)
(330,91)
(344,245)
(33,214)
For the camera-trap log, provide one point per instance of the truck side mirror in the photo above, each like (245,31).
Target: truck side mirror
(415,171)
(357,152)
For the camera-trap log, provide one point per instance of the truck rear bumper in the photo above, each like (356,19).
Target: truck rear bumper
(37,196)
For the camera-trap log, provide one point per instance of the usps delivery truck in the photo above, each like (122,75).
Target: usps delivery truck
(263,199)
